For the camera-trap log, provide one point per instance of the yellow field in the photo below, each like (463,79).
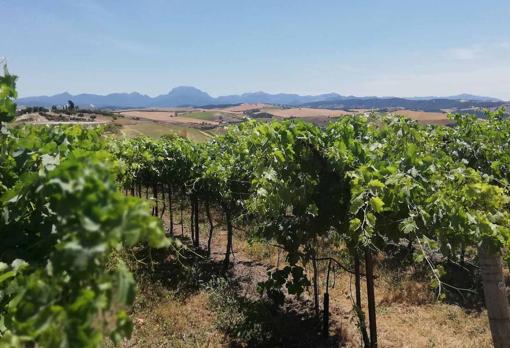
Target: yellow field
(425,117)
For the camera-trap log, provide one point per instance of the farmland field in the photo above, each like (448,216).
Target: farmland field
(156,130)
(167,117)
(424,117)
(304,112)
(197,116)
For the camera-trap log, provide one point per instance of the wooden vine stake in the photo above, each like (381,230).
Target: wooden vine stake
(196,242)
(211,227)
(496,297)
(230,232)
(359,310)
(325,314)
(170,211)
(369,265)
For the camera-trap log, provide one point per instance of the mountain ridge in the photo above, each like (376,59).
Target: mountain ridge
(192,96)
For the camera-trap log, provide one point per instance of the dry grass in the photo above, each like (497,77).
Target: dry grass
(409,292)
(259,251)
(407,314)
(425,117)
(305,112)
(156,130)
(246,107)
(433,325)
(166,117)
(172,322)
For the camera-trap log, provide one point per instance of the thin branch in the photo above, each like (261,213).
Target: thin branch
(340,265)
(439,281)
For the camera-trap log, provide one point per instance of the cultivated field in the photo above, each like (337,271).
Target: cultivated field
(201,124)
(232,114)
(304,112)
(246,107)
(424,117)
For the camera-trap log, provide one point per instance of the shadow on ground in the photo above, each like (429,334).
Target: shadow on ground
(248,319)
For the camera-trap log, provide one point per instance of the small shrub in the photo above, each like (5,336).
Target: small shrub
(112,128)
(241,319)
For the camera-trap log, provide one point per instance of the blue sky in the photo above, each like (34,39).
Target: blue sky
(352,47)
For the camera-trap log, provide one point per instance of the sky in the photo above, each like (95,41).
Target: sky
(352,47)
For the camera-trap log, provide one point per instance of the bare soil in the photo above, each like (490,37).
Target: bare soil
(408,315)
(425,117)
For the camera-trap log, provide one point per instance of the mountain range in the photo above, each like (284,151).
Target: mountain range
(191,96)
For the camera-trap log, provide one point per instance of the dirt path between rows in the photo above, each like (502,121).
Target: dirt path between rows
(178,317)
(247,273)
(403,319)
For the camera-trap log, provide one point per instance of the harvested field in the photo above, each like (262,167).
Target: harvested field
(423,116)
(166,117)
(156,130)
(246,107)
(305,112)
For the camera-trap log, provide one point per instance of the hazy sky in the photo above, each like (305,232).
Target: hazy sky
(353,47)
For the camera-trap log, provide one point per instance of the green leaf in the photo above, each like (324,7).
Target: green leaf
(377,204)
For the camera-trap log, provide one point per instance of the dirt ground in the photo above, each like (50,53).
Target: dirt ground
(176,318)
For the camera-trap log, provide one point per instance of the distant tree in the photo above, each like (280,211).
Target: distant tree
(54,108)
(70,105)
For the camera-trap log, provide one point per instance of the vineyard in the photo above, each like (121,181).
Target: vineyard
(75,201)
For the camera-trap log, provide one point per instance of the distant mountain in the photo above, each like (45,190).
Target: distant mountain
(280,98)
(183,96)
(191,96)
(87,100)
(463,96)
(432,105)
